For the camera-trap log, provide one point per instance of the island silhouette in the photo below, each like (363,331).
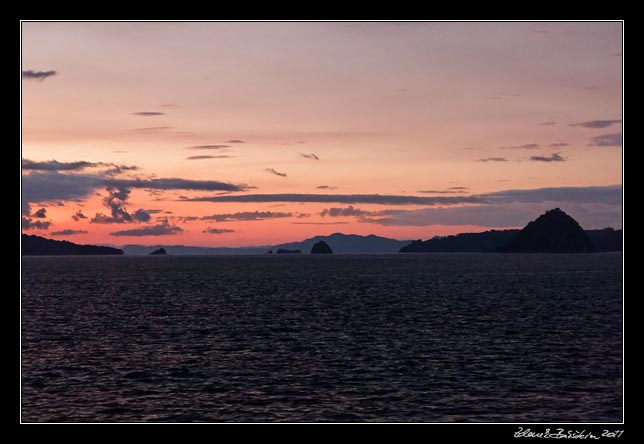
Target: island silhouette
(552,232)
(321,247)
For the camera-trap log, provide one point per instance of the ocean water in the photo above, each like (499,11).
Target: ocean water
(391,338)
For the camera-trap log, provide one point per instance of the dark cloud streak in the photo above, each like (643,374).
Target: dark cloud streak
(207,147)
(207,157)
(378,199)
(246,216)
(273,171)
(217,231)
(527,146)
(178,184)
(344,212)
(155,230)
(38,75)
(54,165)
(596,124)
(606,195)
(555,157)
(609,195)
(614,139)
(52,186)
(151,129)
(493,159)
(319,223)
(67,232)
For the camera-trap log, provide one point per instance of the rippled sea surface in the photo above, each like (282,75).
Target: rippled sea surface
(412,338)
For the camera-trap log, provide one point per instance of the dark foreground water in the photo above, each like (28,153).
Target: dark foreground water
(414,338)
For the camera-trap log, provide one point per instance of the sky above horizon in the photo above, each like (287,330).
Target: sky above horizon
(258,133)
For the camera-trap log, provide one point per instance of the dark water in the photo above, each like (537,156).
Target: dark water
(414,338)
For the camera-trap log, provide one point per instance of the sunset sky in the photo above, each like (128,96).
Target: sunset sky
(258,133)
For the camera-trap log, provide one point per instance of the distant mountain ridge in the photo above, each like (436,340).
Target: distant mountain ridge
(178,250)
(339,243)
(40,246)
(349,244)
